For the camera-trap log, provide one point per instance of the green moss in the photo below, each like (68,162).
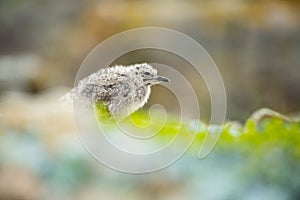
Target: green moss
(257,139)
(101,112)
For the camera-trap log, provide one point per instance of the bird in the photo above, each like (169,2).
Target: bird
(121,89)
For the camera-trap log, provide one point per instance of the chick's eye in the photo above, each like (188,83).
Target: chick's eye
(147,73)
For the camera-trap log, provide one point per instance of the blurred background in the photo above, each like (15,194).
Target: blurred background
(255,44)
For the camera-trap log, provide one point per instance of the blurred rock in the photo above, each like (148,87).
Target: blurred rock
(18,72)
(43,114)
(19,184)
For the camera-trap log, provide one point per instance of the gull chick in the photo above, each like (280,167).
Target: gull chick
(122,89)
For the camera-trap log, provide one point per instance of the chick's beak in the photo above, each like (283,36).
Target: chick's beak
(162,79)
